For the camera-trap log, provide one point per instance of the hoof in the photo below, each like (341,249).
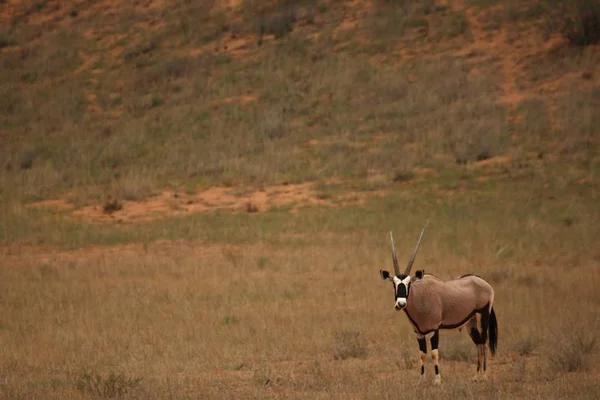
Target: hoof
(437,380)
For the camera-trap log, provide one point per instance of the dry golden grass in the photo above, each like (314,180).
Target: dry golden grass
(457,112)
(271,318)
(303,313)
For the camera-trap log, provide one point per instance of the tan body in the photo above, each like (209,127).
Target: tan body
(434,304)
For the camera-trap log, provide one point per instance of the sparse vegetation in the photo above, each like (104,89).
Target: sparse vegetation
(454,24)
(574,355)
(112,386)
(279,25)
(482,3)
(578,21)
(407,360)
(458,350)
(5,40)
(526,346)
(181,204)
(349,344)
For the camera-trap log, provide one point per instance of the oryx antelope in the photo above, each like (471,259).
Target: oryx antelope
(432,304)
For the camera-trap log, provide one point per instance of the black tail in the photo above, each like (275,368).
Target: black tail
(493,332)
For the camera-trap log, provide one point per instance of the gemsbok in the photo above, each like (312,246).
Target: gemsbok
(432,304)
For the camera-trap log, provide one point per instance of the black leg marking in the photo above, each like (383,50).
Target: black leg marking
(435,339)
(422,345)
(476,336)
(422,351)
(485,322)
(484,358)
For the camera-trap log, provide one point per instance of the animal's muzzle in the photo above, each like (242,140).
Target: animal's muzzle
(400,304)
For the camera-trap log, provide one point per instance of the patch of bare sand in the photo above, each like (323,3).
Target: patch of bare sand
(241,99)
(55,204)
(229,44)
(234,199)
(228,3)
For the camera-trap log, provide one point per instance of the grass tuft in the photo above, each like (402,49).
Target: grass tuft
(279,25)
(349,344)
(107,387)
(455,24)
(112,205)
(27,159)
(574,355)
(526,346)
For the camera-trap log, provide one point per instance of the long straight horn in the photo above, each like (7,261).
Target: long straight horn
(414,254)
(396,266)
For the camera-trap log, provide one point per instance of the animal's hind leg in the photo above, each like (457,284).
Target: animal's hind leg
(484,350)
(484,322)
(422,352)
(476,336)
(481,350)
(435,356)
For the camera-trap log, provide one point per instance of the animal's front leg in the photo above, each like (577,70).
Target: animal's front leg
(422,353)
(435,356)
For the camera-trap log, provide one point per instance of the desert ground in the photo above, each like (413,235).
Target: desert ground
(196,196)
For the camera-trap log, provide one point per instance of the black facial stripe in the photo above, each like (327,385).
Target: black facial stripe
(401,291)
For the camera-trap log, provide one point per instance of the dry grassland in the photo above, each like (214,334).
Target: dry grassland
(299,311)
(195,197)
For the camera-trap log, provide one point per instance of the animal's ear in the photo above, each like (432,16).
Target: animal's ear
(419,274)
(384,274)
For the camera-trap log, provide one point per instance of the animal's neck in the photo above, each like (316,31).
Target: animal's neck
(408,290)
